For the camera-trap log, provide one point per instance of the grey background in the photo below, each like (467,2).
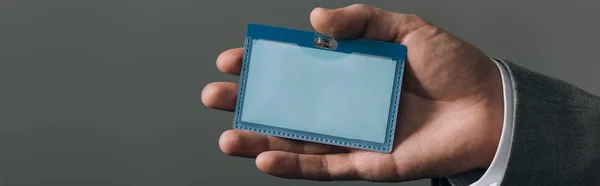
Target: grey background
(106,92)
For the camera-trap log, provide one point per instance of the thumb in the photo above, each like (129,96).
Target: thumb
(366,22)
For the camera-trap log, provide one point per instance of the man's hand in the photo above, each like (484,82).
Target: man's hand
(450,116)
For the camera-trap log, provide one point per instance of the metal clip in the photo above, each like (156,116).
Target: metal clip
(326,43)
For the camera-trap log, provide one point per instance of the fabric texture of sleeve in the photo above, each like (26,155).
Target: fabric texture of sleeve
(556,133)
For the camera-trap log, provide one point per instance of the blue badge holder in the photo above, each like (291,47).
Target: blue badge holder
(301,85)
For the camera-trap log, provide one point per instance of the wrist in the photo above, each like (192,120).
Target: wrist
(495,111)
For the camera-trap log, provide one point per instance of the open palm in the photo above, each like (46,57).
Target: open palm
(449,120)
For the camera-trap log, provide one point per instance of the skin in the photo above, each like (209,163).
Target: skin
(450,116)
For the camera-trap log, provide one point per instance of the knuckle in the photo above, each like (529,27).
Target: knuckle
(429,31)
(360,6)
(417,19)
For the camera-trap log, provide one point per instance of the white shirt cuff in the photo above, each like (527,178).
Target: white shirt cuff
(495,173)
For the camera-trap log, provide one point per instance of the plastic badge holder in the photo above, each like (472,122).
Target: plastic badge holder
(305,86)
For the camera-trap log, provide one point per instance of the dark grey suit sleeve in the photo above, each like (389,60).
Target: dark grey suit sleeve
(556,132)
